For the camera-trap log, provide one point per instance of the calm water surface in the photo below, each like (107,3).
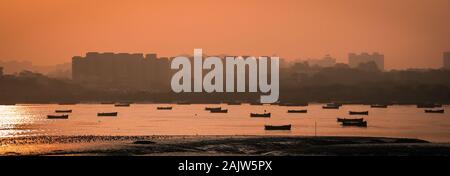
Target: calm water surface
(144,119)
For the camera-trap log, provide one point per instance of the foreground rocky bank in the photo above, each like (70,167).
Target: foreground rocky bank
(220,145)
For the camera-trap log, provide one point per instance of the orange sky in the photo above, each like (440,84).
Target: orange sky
(411,33)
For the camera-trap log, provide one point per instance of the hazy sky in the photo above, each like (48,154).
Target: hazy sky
(411,33)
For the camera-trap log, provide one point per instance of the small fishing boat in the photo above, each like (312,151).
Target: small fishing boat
(330,107)
(357,124)
(63,111)
(64,116)
(164,108)
(349,120)
(212,108)
(219,111)
(264,115)
(107,114)
(378,106)
(358,112)
(297,111)
(122,105)
(280,127)
(434,111)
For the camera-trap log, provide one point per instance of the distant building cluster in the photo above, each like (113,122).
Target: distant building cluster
(326,61)
(354,60)
(1,71)
(122,71)
(447,60)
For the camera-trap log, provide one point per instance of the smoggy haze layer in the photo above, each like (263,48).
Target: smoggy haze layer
(411,33)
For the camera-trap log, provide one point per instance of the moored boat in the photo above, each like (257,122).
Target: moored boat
(330,107)
(279,127)
(434,111)
(297,111)
(164,108)
(357,124)
(219,111)
(212,108)
(107,114)
(64,116)
(358,112)
(350,120)
(122,105)
(264,115)
(63,111)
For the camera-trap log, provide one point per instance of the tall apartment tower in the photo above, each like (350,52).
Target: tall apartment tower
(122,71)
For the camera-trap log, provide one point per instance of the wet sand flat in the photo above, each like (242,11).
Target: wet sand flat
(220,145)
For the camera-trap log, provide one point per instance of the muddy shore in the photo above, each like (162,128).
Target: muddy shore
(220,145)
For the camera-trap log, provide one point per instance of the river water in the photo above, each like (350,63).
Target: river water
(144,119)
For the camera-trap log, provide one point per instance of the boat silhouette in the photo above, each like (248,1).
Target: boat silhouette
(434,111)
(212,108)
(64,116)
(357,124)
(63,111)
(297,111)
(164,108)
(279,127)
(358,112)
(122,105)
(219,111)
(264,115)
(107,114)
(350,120)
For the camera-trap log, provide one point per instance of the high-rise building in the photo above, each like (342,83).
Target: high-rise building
(122,71)
(446,60)
(354,60)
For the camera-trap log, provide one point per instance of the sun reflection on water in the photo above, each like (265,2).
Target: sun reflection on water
(17,120)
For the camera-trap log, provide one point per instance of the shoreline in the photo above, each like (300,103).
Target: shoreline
(218,145)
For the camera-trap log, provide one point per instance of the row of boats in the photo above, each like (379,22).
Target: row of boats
(66,114)
(213,110)
(338,105)
(357,122)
